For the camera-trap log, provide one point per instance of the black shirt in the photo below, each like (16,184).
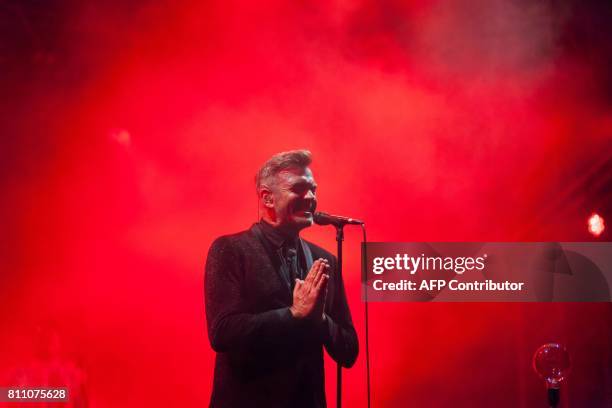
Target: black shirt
(288,251)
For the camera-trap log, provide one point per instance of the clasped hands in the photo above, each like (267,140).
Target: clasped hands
(309,294)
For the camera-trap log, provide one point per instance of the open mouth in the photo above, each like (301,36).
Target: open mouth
(306,210)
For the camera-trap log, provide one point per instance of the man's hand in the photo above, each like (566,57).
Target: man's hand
(309,294)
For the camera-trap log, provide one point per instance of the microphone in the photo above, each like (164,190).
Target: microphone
(322,218)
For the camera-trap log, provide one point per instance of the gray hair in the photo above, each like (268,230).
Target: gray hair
(282,161)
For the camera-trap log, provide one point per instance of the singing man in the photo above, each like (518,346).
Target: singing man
(274,301)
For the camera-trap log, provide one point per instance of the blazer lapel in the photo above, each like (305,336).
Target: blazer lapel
(307,254)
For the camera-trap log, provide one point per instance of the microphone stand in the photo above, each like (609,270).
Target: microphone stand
(339,222)
(339,240)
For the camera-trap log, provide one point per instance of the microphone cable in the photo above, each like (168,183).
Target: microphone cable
(364,276)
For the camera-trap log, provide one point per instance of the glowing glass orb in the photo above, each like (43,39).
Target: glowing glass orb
(552,363)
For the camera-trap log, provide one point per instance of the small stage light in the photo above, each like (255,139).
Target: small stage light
(122,137)
(596,225)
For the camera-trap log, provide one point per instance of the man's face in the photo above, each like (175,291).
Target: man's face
(294,198)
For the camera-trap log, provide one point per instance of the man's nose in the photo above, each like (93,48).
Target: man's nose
(310,195)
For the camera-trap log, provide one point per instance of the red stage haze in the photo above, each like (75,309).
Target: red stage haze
(132,132)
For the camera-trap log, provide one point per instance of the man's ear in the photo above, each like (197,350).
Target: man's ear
(267,197)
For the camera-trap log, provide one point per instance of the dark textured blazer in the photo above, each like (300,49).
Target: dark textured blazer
(266,357)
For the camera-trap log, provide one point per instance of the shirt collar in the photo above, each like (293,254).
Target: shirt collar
(275,237)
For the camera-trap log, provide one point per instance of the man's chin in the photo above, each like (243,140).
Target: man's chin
(303,220)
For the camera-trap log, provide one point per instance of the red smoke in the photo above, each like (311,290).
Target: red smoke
(133,133)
